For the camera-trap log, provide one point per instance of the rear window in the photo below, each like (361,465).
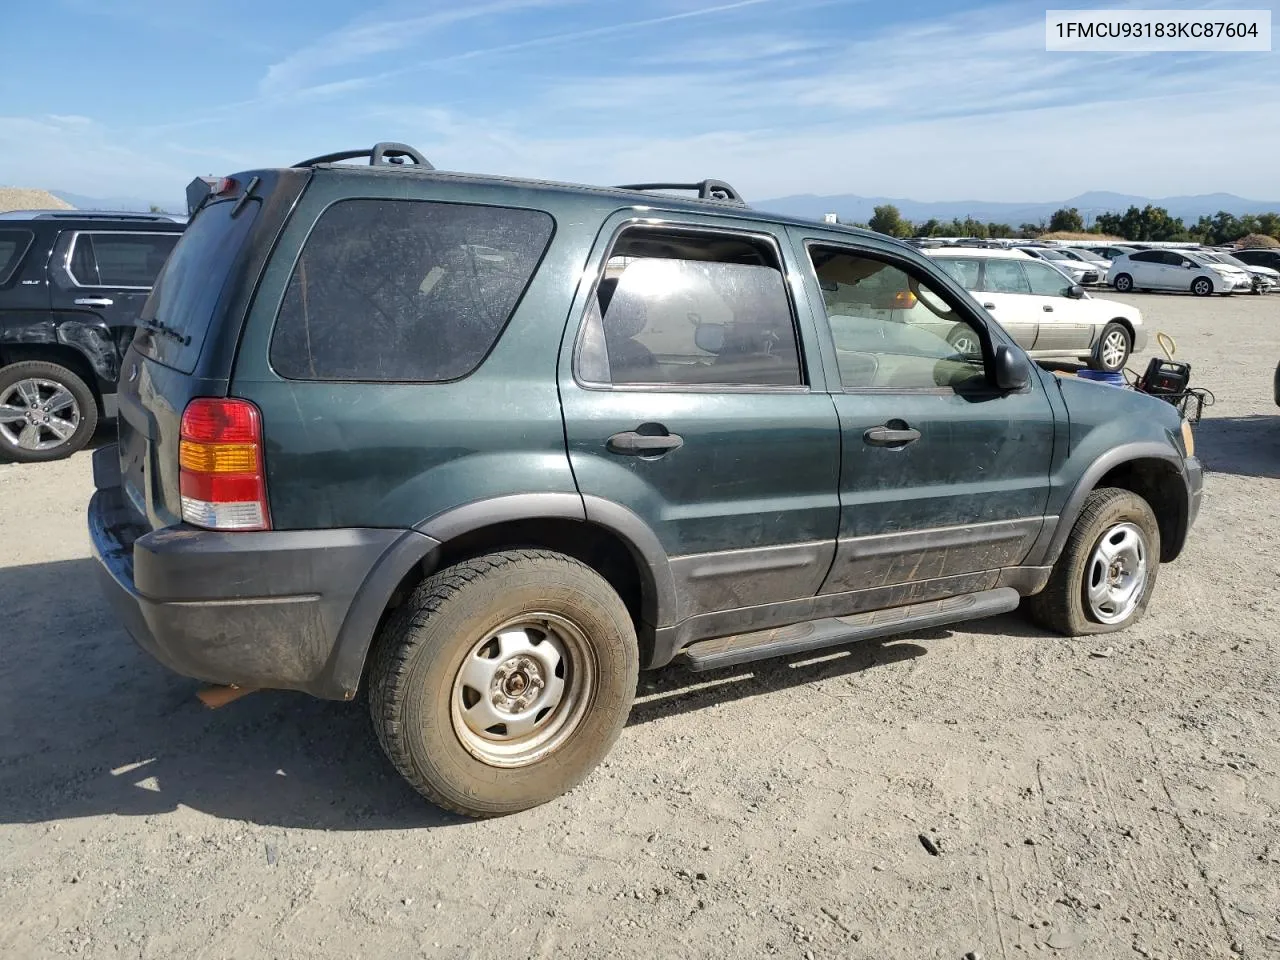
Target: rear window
(13,247)
(187,290)
(405,290)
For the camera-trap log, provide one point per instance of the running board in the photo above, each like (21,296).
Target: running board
(833,631)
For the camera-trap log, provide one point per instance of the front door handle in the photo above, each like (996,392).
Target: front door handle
(632,444)
(891,436)
(1048,309)
(988,306)
(94,302)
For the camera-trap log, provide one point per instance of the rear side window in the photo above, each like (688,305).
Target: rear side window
(119,259)
(405,290)
(186,292)
(13,247)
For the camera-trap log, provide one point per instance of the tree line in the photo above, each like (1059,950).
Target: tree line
(1138,224)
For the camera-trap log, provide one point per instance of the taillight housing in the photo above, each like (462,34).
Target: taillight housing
(221,475)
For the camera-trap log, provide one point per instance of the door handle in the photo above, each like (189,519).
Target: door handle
(632,444)
(890,436)
(94,302)
(1048,309)
(988,306)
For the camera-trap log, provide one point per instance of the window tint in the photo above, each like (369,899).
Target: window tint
(1046,281)
(964,272)
(1174,259)
(120,259)
(893,331)
(1005,276)
(1147,256)
(674,320)
(13,247)
(405,289)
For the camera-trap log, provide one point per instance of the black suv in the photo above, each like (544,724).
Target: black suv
(72,284)
(489,446)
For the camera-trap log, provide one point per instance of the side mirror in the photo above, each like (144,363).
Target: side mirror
(1075,291)
(1012,370)
(1187,264)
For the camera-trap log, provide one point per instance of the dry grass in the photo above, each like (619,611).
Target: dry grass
(1255,240)
(18,198)
(1089,237)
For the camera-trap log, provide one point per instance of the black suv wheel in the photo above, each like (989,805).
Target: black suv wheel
(504,681)
(46,412)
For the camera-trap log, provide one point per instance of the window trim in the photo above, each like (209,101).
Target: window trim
(22,253)
(75,238)
(978,325)
(310,230)
(676,226)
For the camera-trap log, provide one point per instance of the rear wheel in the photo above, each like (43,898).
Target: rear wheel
(1123,283)
(504,681)
(1112,350)
(46,412)
(1202,286)
(1107,571)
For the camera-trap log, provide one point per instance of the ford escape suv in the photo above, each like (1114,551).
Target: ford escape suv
(487,447)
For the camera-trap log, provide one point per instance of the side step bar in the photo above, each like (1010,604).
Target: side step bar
(833,631)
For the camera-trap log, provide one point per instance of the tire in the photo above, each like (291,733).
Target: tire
(432,723)
(1064,605)
(1202,286)
(1123,283)
(1112,350)
(46,412)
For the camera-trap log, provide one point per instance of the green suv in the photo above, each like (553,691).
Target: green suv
(490,446)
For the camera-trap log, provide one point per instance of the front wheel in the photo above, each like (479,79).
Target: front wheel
(503,681)
(1123,283)
(1202,286)
(1107,571)
(46,412)
(1112,351)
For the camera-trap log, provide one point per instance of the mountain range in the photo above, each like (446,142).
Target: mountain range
(851,207)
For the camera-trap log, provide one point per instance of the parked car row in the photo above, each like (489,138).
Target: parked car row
(1203,274)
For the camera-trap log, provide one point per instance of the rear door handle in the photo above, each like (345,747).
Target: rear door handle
(1047,308)
(632,444)
(887,436)
(94,302)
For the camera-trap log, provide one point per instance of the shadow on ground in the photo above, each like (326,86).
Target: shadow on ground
(90,725)
(1243,446)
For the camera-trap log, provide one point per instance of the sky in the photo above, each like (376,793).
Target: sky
(927,99)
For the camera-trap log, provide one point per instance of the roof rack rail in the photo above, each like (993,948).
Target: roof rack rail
(89,215)
(379,153)
(706,190)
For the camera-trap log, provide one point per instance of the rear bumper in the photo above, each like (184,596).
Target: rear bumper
(285,609)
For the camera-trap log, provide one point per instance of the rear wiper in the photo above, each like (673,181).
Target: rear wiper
(158,326)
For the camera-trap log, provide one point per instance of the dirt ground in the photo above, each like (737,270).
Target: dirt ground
(1095,799)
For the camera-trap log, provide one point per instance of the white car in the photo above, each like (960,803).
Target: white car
(1176,270)
(1045,312)
(1264,278)
(1080,272)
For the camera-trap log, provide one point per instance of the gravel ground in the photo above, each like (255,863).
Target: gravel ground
(1098,798)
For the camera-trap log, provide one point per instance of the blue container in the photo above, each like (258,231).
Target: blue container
(1115,379)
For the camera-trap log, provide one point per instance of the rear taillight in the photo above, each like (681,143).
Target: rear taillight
(221,475)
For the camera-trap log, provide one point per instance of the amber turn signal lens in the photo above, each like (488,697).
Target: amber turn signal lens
(218,457)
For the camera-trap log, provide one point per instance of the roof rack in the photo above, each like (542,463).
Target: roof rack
(90,215)
(706,190)
(378,154)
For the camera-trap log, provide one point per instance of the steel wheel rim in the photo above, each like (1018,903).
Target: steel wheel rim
(522,690)
(1114,347)
(1115,577)
(38,414)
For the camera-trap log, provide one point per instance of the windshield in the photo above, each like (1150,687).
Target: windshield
(177,315)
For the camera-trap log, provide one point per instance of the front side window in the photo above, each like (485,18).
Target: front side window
(690,309)
(102,259)
(892,329)
(1046,281)
(13,247)
(405,290)
(1005,276)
